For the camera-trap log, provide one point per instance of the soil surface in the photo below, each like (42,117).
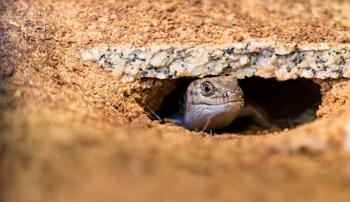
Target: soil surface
(70,131)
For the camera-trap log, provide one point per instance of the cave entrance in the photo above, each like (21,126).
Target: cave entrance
(287,104)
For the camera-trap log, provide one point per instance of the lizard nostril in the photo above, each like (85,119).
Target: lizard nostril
(228,93)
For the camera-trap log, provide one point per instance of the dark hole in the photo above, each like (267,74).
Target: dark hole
(286,103)
(173,104)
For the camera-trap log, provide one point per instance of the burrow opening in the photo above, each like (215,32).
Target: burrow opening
(286,104)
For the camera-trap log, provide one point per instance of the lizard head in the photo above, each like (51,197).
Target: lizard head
(214,102)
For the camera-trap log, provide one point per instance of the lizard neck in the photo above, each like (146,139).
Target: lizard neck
(207,117)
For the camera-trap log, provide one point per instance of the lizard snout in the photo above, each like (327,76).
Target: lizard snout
(233,96)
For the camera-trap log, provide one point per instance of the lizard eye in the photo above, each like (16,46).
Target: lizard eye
(207,89)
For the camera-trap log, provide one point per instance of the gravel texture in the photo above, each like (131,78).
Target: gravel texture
(263,59)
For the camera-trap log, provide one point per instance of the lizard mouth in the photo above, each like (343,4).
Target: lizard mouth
(225,103)
(233,101)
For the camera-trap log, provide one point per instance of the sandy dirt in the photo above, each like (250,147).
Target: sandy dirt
(70,131)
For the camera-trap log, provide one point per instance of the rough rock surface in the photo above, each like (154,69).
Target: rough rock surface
(253,58)
(71,131)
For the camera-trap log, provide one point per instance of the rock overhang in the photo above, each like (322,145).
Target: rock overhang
(267,59)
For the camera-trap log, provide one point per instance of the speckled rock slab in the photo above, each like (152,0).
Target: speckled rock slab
(245,59)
